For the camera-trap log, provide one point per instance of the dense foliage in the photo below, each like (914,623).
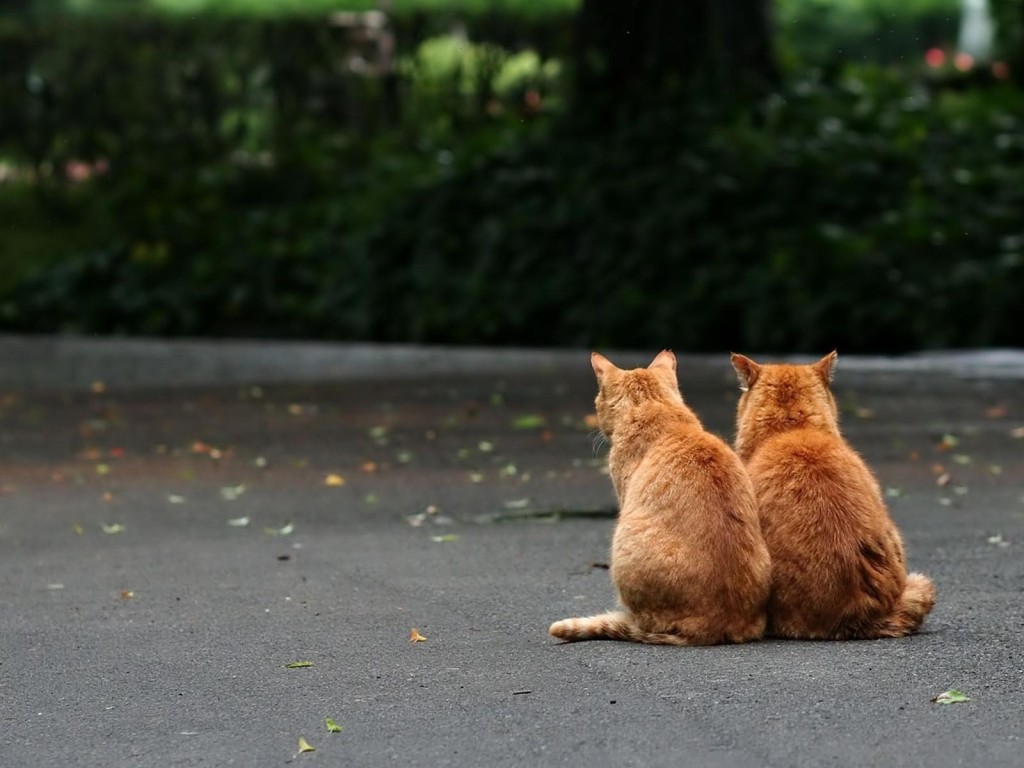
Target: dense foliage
(235,176)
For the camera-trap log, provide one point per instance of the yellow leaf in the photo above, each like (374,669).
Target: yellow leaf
(333,479)
(416,637)
(305,746)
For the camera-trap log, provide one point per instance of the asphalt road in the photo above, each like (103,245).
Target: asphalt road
(457,493)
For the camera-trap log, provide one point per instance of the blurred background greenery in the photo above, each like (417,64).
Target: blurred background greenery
(773,176)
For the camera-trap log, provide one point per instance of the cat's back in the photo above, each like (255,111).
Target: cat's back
(689,468)
(813,476)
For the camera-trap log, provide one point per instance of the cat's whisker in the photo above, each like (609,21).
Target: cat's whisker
(598,441)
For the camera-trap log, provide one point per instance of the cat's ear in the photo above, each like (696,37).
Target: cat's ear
(602,366)
(665,359)
(826,367)
(746,370)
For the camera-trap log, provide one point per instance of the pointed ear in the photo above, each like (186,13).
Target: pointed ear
(602,366)
(665,359)
(747,370)
(826,367)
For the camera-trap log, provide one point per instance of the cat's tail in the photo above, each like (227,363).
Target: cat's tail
(615,625)
(914,604)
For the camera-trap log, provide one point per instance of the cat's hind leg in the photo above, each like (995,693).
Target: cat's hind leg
(614,625)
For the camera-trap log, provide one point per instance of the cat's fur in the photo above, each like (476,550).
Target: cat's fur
(687,559)
(838,569)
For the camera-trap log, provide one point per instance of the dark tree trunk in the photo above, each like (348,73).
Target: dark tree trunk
(631,52)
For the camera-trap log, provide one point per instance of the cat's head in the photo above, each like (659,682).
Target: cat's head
(786,396)
(621,392)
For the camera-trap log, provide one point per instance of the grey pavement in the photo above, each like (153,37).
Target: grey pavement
(458,492)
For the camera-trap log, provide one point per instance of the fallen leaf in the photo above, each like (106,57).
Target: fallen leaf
(260,462)
(445,537)
(175,499)
(98,387)
(332,727)
(305,746)
(127,594)
(951,696)
(404,457)
(948,441)
(238,522)
(1017,433)
(509,470)
(334,480)
(943,480)
(77,529)
(946,501)
(416,637)
(961,458)
(485,446)
(107,496)
(995,469)
(893,493)
(864,413)
(102,469)
(113,528)
(517,503)
(530,421)
(476,477)
(284,530)
(998,540)
(55,586)
(432,509)
(368,466)
(995,412)
(298,664)
(232,492)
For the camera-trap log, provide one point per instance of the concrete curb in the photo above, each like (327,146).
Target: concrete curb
(68,364)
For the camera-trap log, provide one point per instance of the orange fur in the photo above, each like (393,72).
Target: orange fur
(838,569)
(688,560)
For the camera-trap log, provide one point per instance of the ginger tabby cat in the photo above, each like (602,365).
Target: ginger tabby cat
(838,569)
(687,559)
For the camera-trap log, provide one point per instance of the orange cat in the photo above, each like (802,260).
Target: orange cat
(687,559)
(838,570)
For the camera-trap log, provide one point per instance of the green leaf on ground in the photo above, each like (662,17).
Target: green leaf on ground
(332,726)
(112,528)
(951,696)
(298,664)
(238,522)
(305,746)
(445,537)
(530,421)
(282,531)
(232,492)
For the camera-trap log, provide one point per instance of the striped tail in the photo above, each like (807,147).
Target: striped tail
(615,625)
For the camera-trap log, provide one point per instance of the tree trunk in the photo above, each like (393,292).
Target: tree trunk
(636,52)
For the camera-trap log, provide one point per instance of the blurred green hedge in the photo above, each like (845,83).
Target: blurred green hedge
(248,186)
